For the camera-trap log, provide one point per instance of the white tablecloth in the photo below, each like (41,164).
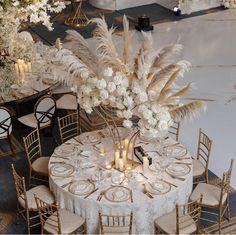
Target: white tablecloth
(145,209)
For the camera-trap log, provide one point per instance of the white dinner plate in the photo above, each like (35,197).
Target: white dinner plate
(81,187)
(158,187)
(178,169)
(66,149)
(117,194)
(90,138)
(176,151)
(62,170)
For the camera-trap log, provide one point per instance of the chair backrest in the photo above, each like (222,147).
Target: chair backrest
(44,110)
(5,123)
(110,224)
(20,186)
(48,214)
(174,130)
(204,148)
(187,213)
(32,146)
(225,183)
(68,126)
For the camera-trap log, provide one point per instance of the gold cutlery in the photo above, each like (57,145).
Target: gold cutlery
(64,185)
(146,192)
(176,177)
(91,193)
(101,134)
(174,185)
(66,158)
(131,196)
(101,195)
(143,175)
(61,162)
(184,163)
(78,141)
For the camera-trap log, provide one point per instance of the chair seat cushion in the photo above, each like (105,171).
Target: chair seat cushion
(116,230)
(67,102)
(198,168)
(210,193)
(40,166)
(167,223)
(31,121)
(70,222)
(42,192)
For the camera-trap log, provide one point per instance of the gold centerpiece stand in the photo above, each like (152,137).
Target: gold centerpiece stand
(77,17)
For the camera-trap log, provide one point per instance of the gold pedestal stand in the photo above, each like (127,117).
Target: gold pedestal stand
(132,165)
(77,17)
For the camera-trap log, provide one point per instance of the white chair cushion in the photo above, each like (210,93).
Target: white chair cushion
(198,168)
(116,230)
(42,192)
(167,223)
(210,193)
(70,222)
(5,116)
(30,120)
(40,165)
(67,102)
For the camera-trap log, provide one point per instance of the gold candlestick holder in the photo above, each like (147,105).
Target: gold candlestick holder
(77,18)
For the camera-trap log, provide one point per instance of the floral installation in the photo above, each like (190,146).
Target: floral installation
(229,3)
(141,87)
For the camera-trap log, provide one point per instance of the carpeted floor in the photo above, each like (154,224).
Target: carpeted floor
(156,13)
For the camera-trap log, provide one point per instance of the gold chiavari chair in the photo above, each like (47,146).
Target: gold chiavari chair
(183,220)
(58,221)
(26,202)
(115,224)
(38,164)
(200,164)
(174,130)
(68,126)
(215,196)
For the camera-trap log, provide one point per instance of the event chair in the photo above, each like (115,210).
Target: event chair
(200,164)
(183,220)
(68,126)
(26,202)
(174,130)
(38,164)
(44,110)
(58,221)
(67,102)
(215,196)
(115,224)
(6,126)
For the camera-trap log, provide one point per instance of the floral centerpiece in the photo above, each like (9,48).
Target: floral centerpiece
(229,3)
(141,87)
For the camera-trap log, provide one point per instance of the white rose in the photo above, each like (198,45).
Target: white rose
(93,80)
(108,72)
(142,97)
(73,89)
(104,94)
(112,99)
(119,105)
(128,101)
(111,87)
(86,89)
(95,101)
(127,124)
(147,114)
(117,79)
(162,125)
(155,108)
(142,108)
(84,74)
(127,114)
(125,82)
(152,95)
(152,121)
(121,90)
(101,84)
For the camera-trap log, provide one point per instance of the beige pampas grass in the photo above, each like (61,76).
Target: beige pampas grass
(189,110)
(126,39)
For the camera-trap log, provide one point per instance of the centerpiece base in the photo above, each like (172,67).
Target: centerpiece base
(131,165)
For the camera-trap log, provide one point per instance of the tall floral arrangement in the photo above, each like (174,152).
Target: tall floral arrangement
(14,14)
(229,3)
(142,86)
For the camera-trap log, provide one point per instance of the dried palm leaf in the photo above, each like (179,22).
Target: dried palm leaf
(80,47)
(183,91)
(189,110)
(106,48)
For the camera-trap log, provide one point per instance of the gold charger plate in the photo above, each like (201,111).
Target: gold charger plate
(81,187)
(158,187)
(117,194)
(62,170)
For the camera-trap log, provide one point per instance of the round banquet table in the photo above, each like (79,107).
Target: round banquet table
(87,156)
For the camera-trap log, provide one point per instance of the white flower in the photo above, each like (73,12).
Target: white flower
(104,94)
(127,124)
(128,101)
(125,82)
(142,97)
(152,95)
(119,114)
(101,84)
(108,72)
(84,74)
(152,122)
(127,114)
(111,87)
(163,125)
(117,78)
(86,89)
(121,90)
(95,101)
(147,114)
(142,108)
(119,105)
(112,99)
(155,108)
